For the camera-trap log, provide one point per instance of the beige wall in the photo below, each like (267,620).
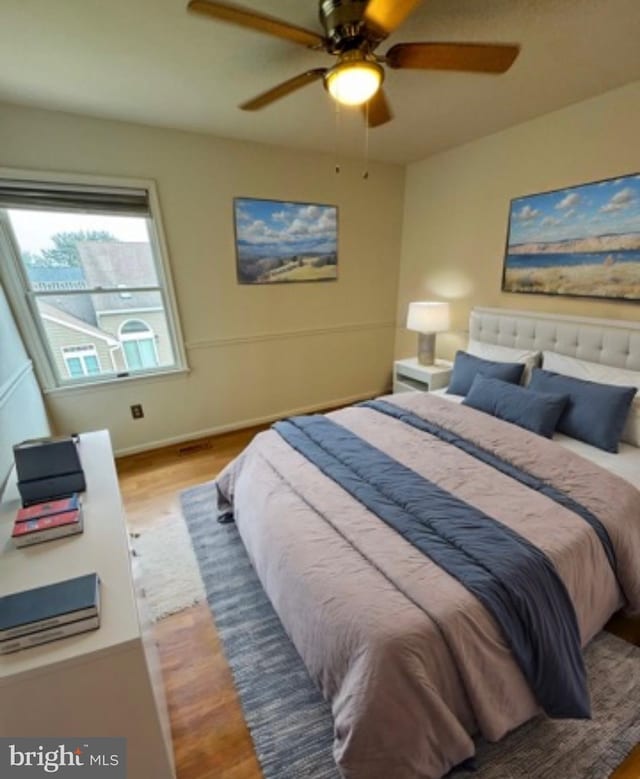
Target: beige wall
(254,351)
(457,204)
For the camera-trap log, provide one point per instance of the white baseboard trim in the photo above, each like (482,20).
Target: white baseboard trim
(228,428)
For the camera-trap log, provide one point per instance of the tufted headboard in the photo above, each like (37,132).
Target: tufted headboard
(606,341)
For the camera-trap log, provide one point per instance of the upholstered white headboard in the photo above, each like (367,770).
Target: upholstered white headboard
(605,341)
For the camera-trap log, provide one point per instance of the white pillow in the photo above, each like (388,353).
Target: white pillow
(497,353)
(602,374)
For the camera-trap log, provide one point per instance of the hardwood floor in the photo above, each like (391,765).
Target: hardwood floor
(210,738)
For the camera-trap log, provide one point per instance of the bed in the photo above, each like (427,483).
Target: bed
(537,545)
(625,464)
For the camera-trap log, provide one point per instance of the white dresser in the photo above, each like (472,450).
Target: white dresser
(103,683)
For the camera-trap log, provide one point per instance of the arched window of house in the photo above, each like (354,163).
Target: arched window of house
(138,345)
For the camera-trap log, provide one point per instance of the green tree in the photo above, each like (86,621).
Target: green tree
(31,258)
(65,252)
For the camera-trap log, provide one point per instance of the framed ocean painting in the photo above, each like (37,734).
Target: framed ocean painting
(582,241)
(283,242)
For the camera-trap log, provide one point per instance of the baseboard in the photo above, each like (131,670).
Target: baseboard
(244,423)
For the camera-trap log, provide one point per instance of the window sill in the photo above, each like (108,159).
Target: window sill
(109,384)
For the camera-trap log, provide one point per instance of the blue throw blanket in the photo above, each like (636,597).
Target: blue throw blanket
(427,426)
(513,579)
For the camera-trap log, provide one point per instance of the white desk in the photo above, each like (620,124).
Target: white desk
(102,683)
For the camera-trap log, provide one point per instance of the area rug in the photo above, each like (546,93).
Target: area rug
(291,724)
(170,575)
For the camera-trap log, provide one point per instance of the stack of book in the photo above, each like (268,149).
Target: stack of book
(49,613)
(46,521)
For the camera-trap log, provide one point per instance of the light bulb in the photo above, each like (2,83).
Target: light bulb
(353,83)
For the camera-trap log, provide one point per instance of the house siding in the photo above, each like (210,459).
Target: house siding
(60,336)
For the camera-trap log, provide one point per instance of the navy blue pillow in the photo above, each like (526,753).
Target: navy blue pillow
(466,367)
(535,411)
(595,413)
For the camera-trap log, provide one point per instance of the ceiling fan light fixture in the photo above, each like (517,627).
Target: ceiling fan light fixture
(354,80)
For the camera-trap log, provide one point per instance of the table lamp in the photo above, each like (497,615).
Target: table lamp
(427,319)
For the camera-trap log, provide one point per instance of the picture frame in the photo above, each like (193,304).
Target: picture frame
(580,241)
(285,242)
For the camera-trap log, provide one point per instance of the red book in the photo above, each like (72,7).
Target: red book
(33,531)
(48,509)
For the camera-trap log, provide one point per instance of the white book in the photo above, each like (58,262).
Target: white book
(46,624)
(53,634)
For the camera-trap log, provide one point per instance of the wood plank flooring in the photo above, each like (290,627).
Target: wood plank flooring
(210,738)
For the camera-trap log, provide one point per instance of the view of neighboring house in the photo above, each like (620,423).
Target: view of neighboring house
(92,332)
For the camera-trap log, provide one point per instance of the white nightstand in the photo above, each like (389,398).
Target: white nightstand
(409,375)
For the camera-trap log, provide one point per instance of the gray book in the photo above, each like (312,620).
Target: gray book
(48,607)
(53,634)
(48,469)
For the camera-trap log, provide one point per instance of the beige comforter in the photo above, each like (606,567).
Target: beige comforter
(411,661)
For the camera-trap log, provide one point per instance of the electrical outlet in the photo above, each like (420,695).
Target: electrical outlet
(136,411)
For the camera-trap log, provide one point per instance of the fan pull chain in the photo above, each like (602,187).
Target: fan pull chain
(365,173)
(336,136)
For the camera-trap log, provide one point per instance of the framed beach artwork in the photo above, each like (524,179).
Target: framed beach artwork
(282,242)
(582,241)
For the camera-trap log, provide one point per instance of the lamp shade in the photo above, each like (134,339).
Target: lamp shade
(355,78)
(428,317)
(354,83)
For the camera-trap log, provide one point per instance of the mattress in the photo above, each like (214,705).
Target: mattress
(626,463)
(413,663)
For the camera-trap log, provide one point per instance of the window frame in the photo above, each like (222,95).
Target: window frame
(24,301)
(80,353)
(137,337)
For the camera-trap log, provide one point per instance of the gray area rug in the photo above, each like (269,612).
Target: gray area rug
(291,724)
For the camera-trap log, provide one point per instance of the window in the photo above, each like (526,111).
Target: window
(88,262)
(81,361)
(138,344)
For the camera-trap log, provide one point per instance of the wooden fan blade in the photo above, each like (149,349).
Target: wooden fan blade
(378,111)
(297,82)
(473,57)
(235,14)
(387,15)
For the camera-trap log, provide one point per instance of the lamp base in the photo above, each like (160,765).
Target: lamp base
(426,348)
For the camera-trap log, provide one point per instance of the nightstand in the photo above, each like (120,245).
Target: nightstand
(409,375)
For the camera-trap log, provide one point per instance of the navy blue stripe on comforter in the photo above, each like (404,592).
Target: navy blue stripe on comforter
(512,578)
(504,466)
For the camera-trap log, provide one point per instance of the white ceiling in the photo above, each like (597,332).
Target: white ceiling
(150,61)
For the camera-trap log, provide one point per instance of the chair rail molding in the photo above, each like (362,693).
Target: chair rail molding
(307,332)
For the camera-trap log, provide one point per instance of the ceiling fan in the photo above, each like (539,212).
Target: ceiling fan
(353,29)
